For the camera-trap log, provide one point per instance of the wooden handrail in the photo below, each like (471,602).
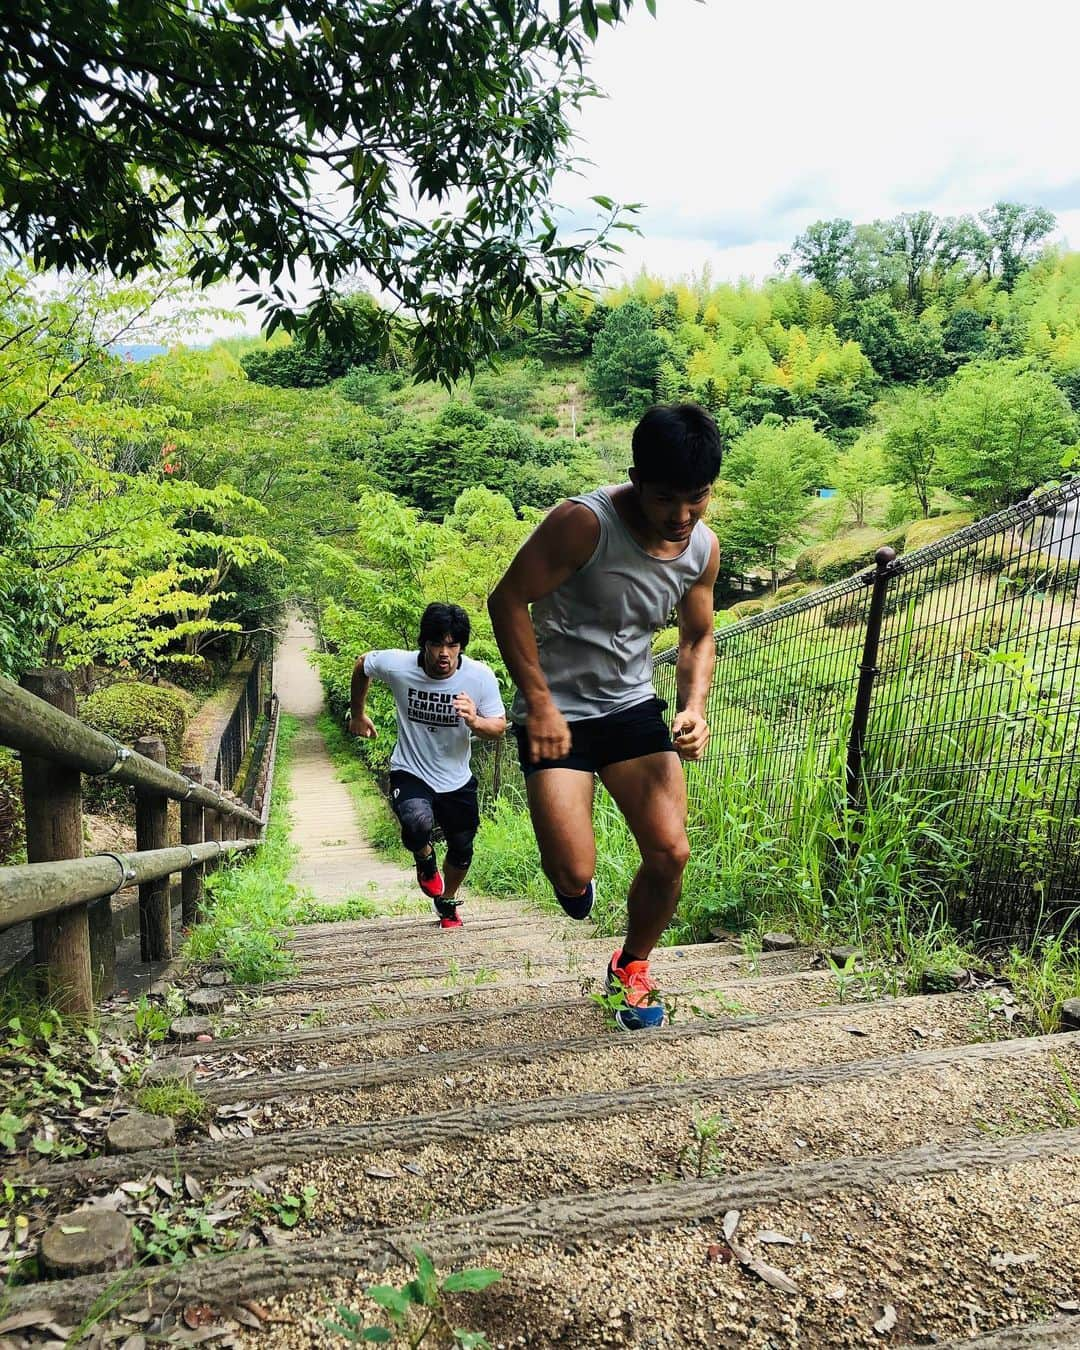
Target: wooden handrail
(69,897)
(33,726)
(36,889)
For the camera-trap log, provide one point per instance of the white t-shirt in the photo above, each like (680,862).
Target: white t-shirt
(433,743)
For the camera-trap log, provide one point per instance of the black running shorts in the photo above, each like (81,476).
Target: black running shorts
(456,813)
(596,742)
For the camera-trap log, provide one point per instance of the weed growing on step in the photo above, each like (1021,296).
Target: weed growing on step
(172,1098)
(250,902)
(991,1021)
(151,1021)
(417,1310)
(171,1235)
(1043,977)
(704,1003)
(290,1209)
(56,1078)
(1064,1102)
(855,982)
(703,1156)
(609,1004)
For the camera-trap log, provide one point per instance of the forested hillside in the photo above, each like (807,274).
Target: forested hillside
(158,514)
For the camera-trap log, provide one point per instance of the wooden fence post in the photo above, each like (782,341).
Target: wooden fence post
(152,831)
(191,832)
(52,798)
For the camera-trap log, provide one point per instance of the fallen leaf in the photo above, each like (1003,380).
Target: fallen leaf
(379,1174)
(165,1186)
(769,1235)
(68,1228)
(1063,1305)
(887,1320)
(198,1315)
(413,1169)
(771,1276)
(731,1222)
(837,1292)
(1005,1260)
(139,1317)
(194,1190)
(720,1252)
(136,1341)
(33,1317)
(243,1315)
(257,1308)
(856,1031)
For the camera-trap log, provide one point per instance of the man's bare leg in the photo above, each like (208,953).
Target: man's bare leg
(560,803)
(651,794)
(452,878)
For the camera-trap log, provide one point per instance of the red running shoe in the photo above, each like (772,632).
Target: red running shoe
(447,910)
(429,876)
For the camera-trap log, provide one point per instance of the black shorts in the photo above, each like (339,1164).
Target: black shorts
(596,742)
(456,812)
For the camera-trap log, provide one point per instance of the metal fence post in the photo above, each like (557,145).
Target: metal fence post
(52,798)
(152,831)
(868,669)
(191,832)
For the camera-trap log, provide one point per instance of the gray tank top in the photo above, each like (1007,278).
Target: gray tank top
(595,631)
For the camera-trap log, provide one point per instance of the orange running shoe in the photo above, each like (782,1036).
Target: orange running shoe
(642,1007)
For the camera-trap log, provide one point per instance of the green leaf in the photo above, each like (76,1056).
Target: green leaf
(395,1301)
(470,1281)
(379,1334)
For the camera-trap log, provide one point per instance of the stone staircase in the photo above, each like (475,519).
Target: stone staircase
(775,1168)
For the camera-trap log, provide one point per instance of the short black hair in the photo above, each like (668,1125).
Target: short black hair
(677,444)
(439,621)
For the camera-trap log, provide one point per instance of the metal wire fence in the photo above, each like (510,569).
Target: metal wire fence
(973,716)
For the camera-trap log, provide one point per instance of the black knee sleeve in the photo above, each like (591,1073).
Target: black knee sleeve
(459,848)
(417,821)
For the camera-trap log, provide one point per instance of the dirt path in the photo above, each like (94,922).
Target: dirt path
(788,1165)
(336,861)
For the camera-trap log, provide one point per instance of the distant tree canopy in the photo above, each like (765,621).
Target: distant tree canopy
(306,364)
(274,132)
(429,464)
(905,251)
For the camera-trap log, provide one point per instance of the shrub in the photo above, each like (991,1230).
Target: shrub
(745,608)
(131,709)
(837,559)
(12,833)
(923,532)
(128,710)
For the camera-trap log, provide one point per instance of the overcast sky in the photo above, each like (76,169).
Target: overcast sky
(738,123)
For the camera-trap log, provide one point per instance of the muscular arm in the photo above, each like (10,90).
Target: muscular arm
(559,546)
(487,728)
(697,657)
(359,722)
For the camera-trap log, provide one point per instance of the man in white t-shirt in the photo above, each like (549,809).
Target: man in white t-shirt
(443,699)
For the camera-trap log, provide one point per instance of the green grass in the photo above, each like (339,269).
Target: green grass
(1044,975)
(250,902)
(173,1099)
